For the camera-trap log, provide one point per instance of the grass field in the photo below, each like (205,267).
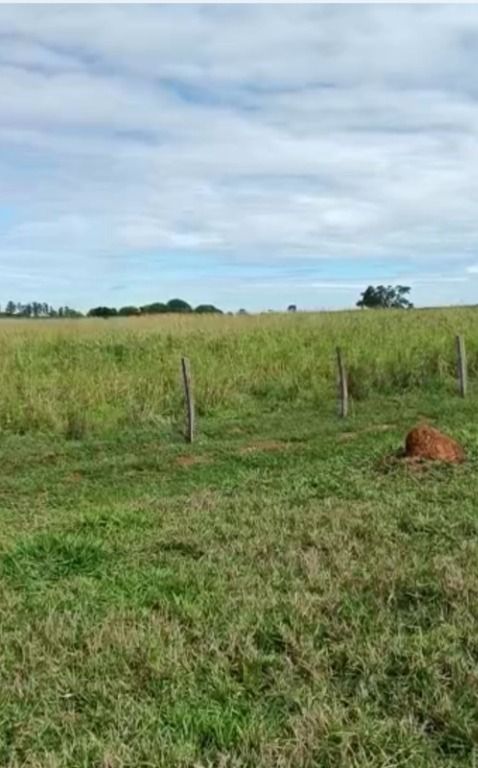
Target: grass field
(282,594)
(82,376)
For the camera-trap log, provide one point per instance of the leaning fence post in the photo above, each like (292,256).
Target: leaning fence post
(461,365)
(189,399)
(343,388)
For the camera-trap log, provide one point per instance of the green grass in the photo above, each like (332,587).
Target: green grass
(282,594)
(95,376)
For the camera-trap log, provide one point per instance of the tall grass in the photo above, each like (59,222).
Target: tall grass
(68,376)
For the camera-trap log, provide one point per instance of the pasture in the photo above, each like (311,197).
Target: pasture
(283,593)
(98,375)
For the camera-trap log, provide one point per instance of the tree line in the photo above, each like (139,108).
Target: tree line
(40,309)
(36,309)
(156,308)
(374,297)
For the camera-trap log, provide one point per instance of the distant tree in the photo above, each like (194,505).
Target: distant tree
(129,311)
(385,297)
(205,309)
(156,308)
(292,308)
(25,310)
(11,308)
(178,305)
(242,312)
(36,309)
(72,313)
(103,312)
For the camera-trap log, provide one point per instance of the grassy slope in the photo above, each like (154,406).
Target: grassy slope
(275,596)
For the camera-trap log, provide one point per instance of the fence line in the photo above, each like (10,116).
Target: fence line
(342,385)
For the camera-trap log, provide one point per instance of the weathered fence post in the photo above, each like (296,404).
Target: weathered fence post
(189,399)
(461,365)
(342,385)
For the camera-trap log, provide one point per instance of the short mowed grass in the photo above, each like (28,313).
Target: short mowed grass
(283,593)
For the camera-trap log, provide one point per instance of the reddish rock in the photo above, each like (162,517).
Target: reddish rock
(425,442)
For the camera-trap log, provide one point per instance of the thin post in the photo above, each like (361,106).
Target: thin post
(189,399)
(343,388)
(461,365)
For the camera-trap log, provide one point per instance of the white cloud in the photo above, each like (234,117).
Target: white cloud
(254,134)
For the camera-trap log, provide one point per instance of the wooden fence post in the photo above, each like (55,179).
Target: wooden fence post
(461,365)
(189,399)
(342,384)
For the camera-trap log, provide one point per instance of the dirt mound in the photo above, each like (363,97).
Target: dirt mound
(425,442)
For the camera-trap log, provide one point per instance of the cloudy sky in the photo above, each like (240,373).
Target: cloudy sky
(246,155)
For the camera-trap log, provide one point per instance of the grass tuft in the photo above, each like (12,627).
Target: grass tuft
(50,557)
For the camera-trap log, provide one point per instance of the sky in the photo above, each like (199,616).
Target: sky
(243,155)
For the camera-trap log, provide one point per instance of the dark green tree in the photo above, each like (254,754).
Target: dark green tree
(104,312)
(205,309)
(178,305)
(129,311)
(156,308)
(385,297)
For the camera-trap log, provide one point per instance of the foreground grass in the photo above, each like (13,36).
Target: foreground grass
(279,595)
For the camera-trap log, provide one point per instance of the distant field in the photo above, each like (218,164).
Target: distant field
(96,375)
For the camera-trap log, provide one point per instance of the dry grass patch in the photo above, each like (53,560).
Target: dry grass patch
(266,446)
(191,460)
